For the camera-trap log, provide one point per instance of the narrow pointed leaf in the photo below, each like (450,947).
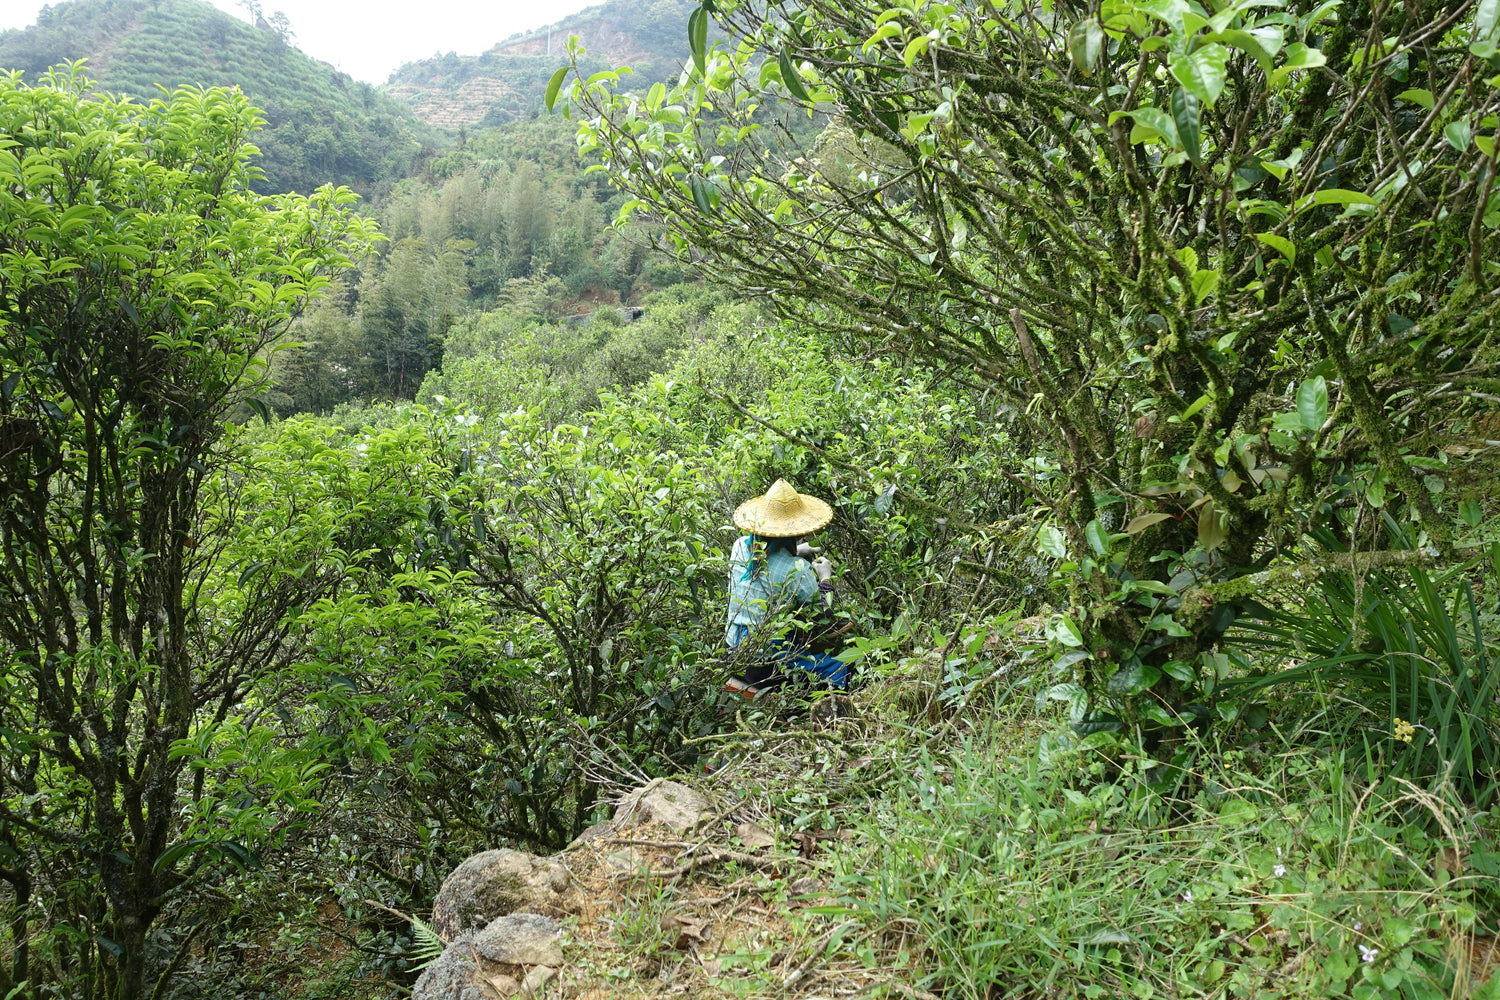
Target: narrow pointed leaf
(793,79)
(1185,108)
(698,38)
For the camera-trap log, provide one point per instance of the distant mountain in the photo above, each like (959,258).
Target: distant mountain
(508,81)
(323,126)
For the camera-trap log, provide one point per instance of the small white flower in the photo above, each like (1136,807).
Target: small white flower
(1279,870)
(1187,897)
(1359,926)
(1367,954)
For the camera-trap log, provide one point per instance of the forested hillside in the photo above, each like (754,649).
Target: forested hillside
(322,126)
(1132,373)
(502,239)
(509,80)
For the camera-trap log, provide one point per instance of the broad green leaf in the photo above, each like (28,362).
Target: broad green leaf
(1185,107)
(914,50)
(1052,542)
(700,195)
(1312,403)
(1062,631)
(1459,135)
(1098,538)
(1132,680)
(1211,530)
(1418,95)
(1253,46)
(1086,45)
(1179,671)
(1205,283)
(1170,11)
(1202,71)
(1280,243)
(1326,8)
(1298,57)
(1169,625)
(1486,19)
(553,85)
(1144,521)
(1279,168)
(888,30)
(1485,144)
(1155,122)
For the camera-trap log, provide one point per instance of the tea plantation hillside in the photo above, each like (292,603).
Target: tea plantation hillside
(323,126)
(509,80)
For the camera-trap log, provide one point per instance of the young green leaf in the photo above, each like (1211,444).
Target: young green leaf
(1052,542)
(1155,122)
(1202,71)
(1298,57)
(1285,246)
(1312,403)
(1459,135)
(1098,538)
(553,85)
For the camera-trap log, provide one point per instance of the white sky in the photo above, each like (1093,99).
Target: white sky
(371,38)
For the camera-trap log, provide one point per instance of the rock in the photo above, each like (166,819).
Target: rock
(520,939)
(497,883)
(503,950)
(506,986)
(626,862)
(537,979)
(673,805)
(591,834)
(451,977)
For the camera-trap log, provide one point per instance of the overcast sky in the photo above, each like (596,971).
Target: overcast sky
(369,39)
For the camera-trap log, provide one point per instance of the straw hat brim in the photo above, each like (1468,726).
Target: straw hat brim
(759,518)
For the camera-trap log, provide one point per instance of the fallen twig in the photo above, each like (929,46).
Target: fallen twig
(801,971)
(711,856)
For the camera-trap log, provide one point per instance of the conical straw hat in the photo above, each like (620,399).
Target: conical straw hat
(782,513)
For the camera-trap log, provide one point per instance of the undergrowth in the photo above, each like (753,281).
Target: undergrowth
(994,871)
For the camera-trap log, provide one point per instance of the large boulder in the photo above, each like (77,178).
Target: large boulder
(496,883)
(675,806)
(515,954)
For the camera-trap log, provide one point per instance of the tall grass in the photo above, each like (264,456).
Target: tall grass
(1407,647)
(993,872)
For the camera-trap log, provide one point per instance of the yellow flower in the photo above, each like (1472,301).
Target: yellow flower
(1404,730)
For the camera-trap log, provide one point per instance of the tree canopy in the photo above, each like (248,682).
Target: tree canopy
(1230,270)
(141,286)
